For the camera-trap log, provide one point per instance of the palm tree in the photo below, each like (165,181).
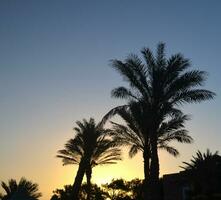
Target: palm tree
(160,86)
(201,160)
(24,190)
(133,134)
(204,170)
(91,147)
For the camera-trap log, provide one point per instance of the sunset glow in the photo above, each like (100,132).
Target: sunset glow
(55,69)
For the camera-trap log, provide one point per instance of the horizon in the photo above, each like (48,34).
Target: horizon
(55,70)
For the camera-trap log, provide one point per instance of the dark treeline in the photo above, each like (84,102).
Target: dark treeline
(118,189)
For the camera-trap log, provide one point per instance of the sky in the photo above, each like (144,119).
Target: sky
(55,69)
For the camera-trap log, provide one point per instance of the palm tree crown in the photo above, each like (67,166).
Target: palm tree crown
(201,161)
(24,190)
(133,134)
(91,142)
(204,172)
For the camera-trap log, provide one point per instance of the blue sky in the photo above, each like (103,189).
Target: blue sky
(54,70)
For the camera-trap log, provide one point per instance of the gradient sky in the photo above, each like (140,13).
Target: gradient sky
(54,70)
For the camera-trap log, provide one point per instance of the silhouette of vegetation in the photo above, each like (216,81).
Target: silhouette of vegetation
(134,132)
(159,85)
(202,160)
(204,170)
(24,190)
(65,194)
(91,147)
(97,193)
(118,189)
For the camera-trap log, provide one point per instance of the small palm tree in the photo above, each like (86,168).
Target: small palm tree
(160,85)
(91,147)
(204,170)
(201,160)
(24,190)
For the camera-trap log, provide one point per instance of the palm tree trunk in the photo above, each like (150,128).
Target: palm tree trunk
(88,175)
(155,193)
(78,180)
(146,157)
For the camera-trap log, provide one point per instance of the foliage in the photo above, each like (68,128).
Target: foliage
(97,193)
(118,189)
(158,85)
(63,194)
(91,142)
(24,190)
(91,146)
(202,161)
(133,134)
(204,170)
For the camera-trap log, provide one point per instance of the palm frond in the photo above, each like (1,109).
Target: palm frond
(192,96)
(124,93)
(92,143)
(11,187)
(178,135)
(176,64)
(160,55)
(171,150)
(129,75)
(111,113)
(133,151)
(149,59)
(200,160)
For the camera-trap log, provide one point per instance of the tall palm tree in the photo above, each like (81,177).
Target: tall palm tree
(160,85)
(133,134)
(91,147)
(24,190)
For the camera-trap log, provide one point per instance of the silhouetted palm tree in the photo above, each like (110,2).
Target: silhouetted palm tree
(24,190)
(201,160)
(160,85)
(91,147)
(134,133)
(204,170)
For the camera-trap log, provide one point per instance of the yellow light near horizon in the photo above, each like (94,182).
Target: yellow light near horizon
(56,175)
(127,169)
